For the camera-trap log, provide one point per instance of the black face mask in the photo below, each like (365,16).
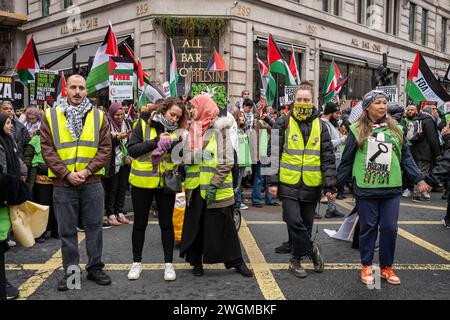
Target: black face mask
(334,122)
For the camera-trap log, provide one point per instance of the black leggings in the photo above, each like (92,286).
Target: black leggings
(142,200)
(43,194)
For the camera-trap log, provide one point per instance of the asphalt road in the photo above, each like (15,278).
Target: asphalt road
(422,263)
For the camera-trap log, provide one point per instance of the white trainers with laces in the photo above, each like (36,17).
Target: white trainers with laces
(406,193)
(169,272)
(135,271)
(243,207)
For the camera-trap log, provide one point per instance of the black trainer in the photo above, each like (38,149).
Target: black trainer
(285,248)
(62,284)
(99,277)
(317,259)
(11,291)
(317,216)
(296,268)
(244,270)
(198,270)
(334,214)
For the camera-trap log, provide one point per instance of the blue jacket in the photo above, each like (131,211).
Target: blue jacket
(407,164)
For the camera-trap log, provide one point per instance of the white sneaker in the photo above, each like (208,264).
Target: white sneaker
(12,243)
(427,195)
(406,193)
(169,272)
(243,207)
(135,271)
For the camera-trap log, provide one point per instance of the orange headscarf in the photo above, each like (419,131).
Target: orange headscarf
(207,111)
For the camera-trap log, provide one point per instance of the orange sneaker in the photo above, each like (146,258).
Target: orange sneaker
(389,275)
(367,275)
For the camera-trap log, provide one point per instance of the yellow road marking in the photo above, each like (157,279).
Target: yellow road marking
(33,283)
(402,204)
(406,222)
(266,281)
(271,266)
(424,244)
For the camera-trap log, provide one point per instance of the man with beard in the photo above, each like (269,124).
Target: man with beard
(425,145)
(76,145)
(331,116)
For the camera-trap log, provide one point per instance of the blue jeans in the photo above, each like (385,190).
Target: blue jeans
(258,180)
(377,214)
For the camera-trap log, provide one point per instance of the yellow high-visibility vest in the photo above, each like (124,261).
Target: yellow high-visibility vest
(141,174)
(76,154)
(207,169)
(299,161)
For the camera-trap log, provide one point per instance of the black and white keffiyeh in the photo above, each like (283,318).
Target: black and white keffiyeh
(75,116)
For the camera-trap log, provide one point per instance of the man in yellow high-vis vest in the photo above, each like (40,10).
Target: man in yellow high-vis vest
(76,146)
(306,167)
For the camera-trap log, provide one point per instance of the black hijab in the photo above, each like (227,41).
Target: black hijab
(8,144)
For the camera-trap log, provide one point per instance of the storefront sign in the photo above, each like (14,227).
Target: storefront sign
(46,87)
(120,79)
(366,45)
(213,84)
(6,88)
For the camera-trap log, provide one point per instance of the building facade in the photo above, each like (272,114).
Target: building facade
(355,33)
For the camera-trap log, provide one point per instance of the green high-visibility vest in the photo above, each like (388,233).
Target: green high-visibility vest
(76,154)
(207,169)
(243,155)
(377,173)
(299,161)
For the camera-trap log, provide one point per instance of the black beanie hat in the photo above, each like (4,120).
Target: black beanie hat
(331,107)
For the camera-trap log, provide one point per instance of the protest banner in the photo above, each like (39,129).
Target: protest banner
(121,79)
(46,85)
(213,84)
(6,88)
(391,92)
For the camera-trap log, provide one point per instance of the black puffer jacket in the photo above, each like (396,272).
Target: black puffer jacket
(441,172)
(328,166)
(427,148)
(21,137)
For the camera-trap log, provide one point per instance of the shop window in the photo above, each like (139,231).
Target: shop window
(424,33)
(67,3)
(412,21)
(444,27)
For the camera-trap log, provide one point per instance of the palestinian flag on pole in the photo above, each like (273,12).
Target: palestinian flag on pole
(61,89)
(28,63)
(173,79)
(422,84)
(277,64)
(147,93)
(98,77)
(293,66)
(268,82)
(216,62)
(332,86)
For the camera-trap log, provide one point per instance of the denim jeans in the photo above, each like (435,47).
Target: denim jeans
(258,180)
(238,190)
(70,203)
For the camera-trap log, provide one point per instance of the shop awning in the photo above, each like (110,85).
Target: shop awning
(8,19)
(344,58)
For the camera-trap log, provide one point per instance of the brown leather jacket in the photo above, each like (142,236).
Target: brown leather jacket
(58,167)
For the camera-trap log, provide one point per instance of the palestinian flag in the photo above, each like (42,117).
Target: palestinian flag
(61,88)
(173,79)
(28,63)
(216,62)
(147,92)
(268,82)
(422,84)
(277,64)
(333,83)
(98,77)
(293,66)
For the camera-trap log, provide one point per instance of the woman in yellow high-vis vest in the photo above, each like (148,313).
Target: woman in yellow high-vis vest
(209,233)
(150,147)
(307,165)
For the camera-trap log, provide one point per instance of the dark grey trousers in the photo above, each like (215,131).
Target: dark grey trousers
(70,203)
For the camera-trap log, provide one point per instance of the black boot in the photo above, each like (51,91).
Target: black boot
(244,270)
(285,248)
(99,277)
(198,270)
(334,214)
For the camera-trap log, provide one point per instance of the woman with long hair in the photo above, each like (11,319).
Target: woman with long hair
(150,146)
(375,156)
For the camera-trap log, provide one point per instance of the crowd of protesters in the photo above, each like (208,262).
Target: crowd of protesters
(71,155)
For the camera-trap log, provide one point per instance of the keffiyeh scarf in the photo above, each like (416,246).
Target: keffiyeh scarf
(75,116)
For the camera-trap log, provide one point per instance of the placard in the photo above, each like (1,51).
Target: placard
(6,88)
(120,79)
(46,87)
(289,94)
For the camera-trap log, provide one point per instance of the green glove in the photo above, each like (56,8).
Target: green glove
(210,194)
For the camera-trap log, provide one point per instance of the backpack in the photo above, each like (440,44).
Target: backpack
(414,131)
